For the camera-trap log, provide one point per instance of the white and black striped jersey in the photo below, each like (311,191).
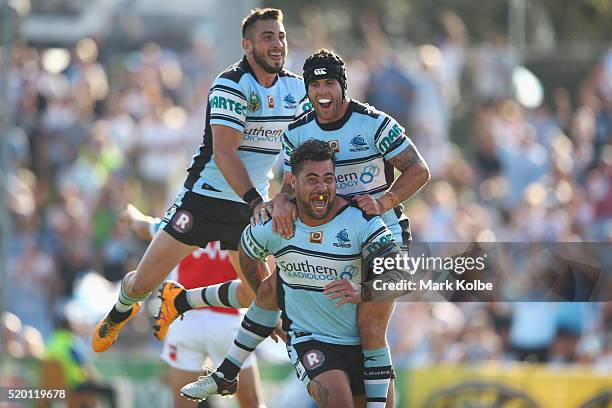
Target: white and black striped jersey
(237,100)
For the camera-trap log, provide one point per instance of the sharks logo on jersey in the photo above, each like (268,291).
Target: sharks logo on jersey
(290,102)
(359,144)
(342,239)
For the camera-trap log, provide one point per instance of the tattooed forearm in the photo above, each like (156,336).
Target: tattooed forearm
(286,187)
(254,270)
(388,252)
(408,157)
(415,174)
(320,394)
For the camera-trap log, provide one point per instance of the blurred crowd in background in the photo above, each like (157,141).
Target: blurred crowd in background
(96,129)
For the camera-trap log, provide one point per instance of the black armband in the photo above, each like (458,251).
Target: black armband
(252,197)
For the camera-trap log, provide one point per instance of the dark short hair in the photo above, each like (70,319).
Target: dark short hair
(313,149)
(257,15)
(325,64)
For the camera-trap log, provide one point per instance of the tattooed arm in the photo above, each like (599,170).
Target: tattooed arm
(254,270)
(414,175)
(286,188)
(378,253)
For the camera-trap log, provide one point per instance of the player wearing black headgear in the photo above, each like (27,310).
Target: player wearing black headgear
(325,81)
(325,65)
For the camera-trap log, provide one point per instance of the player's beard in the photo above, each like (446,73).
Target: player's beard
(260,58)
(336,109)
(330,115)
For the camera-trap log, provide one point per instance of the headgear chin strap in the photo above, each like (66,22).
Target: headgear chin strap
(324,68)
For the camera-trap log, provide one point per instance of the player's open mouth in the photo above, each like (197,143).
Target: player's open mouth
(325,103)
(276,55)
(319,201)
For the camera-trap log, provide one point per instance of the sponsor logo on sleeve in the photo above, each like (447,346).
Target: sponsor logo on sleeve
(390,137)
(227,104)
(253,247)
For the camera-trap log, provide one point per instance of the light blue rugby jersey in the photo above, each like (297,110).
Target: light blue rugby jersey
(363,139)
(312,258)
(237,100)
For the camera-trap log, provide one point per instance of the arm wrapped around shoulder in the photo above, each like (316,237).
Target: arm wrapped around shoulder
(385,276)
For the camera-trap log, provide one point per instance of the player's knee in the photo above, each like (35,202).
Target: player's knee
(127,283)
(266,294)
(373,332)
(371,321)
(139,285)
(245,295)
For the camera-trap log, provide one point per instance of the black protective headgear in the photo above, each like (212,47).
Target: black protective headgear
(322,65)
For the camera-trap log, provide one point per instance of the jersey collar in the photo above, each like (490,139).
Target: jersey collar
(340,122)
(244,64)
